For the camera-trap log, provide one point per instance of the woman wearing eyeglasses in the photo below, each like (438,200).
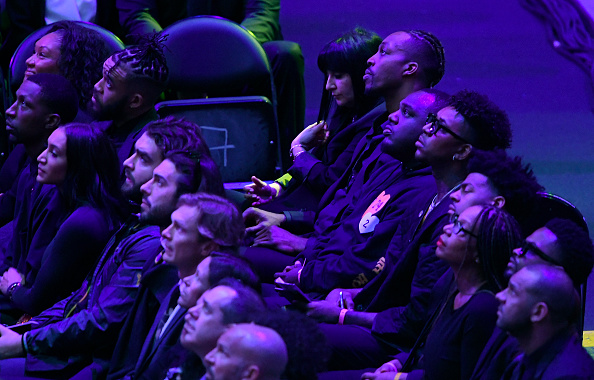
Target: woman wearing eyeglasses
(476,245)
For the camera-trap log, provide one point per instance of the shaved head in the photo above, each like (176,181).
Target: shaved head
(552,286)
(262,346)
(247,351)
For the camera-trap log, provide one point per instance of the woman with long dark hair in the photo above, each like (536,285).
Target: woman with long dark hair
(322,151)
(81,162)
(73,51)
(477,245)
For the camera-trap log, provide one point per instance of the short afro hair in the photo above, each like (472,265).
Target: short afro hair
(442,99)
(509,177)
(58,95)
(490,125)
(577,251)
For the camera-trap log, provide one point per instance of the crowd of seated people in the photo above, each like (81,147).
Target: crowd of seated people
(131,20)
(399,240)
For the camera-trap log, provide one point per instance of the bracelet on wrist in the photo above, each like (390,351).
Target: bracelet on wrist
(12,288)
(294,156)
(297,155)
(24,343)
(341,316)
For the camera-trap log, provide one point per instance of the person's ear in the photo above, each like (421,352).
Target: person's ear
(251,372)
(410,68)
(136,101)
(539,312)
(463,152)
(499,202)
(210,246)
(52,121)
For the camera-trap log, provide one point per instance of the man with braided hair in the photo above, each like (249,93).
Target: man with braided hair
(406,62)
(125,97)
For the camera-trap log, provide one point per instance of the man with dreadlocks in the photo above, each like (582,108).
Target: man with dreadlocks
(404,63)
(125,98)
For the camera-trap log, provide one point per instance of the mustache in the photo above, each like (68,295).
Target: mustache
(128,174)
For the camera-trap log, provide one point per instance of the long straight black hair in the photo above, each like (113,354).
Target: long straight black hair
(93,172)
(349,54)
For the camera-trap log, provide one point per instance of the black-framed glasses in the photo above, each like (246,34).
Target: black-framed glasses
(458,228)
(528,246)
(436,125)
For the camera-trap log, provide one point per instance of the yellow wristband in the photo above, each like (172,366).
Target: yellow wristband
(398,376)
(341,316)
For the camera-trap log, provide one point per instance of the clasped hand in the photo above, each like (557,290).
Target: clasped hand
(328,310)
(10,343)
(313,136)
(8,278)
(385,372)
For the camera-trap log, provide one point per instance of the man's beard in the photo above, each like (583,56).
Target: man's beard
(132,194)
(111,111)
(158,215)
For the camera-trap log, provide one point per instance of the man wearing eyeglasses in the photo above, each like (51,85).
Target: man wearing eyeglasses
(387,314)
(560,243)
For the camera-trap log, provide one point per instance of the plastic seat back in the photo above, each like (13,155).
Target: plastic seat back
(222,74)
(212,56)
(549,206)
(237,131)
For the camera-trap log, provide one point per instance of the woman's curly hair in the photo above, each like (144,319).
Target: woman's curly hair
(82,53)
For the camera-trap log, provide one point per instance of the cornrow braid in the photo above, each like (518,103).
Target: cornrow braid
(438,51)
(146,59)
(498,234)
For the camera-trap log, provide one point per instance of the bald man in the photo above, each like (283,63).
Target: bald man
(539,308)
(561,243)
(247,351)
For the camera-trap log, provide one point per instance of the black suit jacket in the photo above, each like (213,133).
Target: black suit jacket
(160,354)
(157,286)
